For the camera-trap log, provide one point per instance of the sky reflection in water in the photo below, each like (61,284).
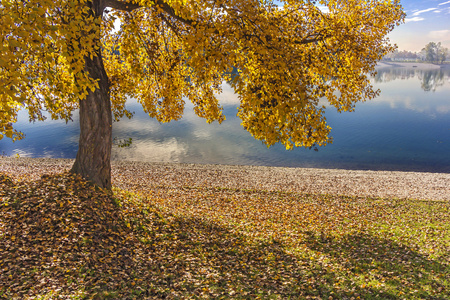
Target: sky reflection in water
(406,128)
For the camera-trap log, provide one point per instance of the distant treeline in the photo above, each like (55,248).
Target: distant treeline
(431,53)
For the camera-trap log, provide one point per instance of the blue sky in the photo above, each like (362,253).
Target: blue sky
(426,21)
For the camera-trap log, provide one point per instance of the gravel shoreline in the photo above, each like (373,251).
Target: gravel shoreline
(132,175)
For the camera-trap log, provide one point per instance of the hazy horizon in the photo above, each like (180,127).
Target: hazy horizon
(426,21)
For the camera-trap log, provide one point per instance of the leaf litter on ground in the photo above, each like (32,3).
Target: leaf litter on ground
(61,237)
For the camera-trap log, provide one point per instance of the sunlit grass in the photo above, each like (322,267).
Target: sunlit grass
(218,243)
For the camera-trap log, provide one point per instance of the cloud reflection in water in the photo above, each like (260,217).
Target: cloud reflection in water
(406,128)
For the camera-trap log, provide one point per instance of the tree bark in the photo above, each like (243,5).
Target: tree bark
(93,161)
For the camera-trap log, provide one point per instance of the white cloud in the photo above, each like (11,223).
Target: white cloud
(448,2)
(439,34)
(415,19)
(422,11)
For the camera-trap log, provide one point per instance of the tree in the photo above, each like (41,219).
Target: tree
(435,52)
(430,52)
(60,55)
(442,54)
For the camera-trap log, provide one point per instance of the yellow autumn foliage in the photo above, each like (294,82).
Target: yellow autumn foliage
(285,58)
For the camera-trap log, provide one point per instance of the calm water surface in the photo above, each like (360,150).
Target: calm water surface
(406,128)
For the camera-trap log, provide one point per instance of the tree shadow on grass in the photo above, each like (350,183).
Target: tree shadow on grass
(61,237)
(386,268)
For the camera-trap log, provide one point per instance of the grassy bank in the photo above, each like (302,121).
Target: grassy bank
(62,238)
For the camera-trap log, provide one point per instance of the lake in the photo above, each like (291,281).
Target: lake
(406,128)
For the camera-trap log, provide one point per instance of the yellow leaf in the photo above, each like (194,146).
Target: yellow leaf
(9,133)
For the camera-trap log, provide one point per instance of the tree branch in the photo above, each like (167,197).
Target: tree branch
(120,5)
(129,6)
(168,9)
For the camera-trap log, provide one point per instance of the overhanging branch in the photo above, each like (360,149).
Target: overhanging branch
(130,6)
(168,9)
(120,5)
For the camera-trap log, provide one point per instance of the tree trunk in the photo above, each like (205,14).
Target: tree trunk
(93,160)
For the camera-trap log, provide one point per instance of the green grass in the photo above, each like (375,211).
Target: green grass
(62,238)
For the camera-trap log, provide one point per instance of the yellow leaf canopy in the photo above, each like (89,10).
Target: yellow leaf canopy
(280,59)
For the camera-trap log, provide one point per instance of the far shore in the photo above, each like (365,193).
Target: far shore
(418,65)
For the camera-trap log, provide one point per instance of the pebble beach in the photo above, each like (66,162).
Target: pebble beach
(132,175)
